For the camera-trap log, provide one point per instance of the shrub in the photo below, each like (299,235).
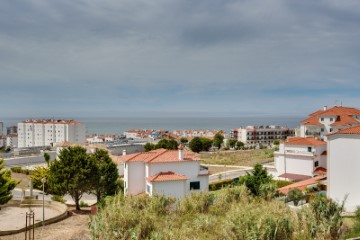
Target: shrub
(58,198)
(281,183)
(220,184)
(16,169)
(295,195)
(83,204)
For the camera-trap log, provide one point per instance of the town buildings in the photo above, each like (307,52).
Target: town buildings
(299,158)
(323,122)
(173,173)
(39,133)
(101,139)
(1,128)
(264,135)
(343,167)
(11,130)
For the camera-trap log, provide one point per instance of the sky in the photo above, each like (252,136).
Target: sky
(87,58)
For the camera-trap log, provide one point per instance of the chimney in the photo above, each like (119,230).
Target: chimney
(181,152)
(124,152)
(325,108)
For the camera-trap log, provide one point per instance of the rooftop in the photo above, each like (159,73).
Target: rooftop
(344,116)
(308,141)
(158,155)
(350,130)
(166,176)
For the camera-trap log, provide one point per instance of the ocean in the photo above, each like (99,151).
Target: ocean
(119,125)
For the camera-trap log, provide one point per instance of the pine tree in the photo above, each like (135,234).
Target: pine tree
(6,184)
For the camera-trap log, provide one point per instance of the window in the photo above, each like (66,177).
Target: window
(330,130)
(309,149)
(322,129)
(316,163)
(194,185)
(321,119)
(331,119)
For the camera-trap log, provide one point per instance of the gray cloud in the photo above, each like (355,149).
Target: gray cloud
(144,53)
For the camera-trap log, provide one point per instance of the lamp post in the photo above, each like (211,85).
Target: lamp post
(43,180)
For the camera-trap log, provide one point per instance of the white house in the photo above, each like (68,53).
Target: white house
(343,167)
(323,122)
(299,158)
(39,133)
(173,173)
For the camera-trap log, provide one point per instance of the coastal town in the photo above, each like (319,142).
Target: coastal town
(312,159)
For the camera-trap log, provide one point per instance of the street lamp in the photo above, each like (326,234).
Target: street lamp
(43,180)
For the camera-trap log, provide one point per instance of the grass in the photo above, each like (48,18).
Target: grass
(230,213)
(239,158)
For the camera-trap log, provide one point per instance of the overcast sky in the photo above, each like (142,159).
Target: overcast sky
(167,57)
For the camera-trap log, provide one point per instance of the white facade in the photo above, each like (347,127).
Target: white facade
(100,139)
(175,178)
(12,141)
(39,133)
(343,169)
(300,156)
(265,135)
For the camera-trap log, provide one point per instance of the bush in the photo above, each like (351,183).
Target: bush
(58,198)
(16,169)
(296,195)
(83,204)
(281,183)
(221,184)
(38,174)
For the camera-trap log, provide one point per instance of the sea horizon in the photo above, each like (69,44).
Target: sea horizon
(118,125)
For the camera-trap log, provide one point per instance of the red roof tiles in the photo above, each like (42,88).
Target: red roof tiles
(343,116)
(158,155)
(309,141)
(350,130)
(166,176)
(302,185)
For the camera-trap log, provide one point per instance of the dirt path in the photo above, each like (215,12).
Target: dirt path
(75,227)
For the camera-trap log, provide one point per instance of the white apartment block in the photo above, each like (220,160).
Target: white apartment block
(298,158)
(39,133)
(323,122)
(265,135)
(343,167)
(12,140)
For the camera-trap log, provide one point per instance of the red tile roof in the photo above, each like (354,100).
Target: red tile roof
(294,177)
(158,155)
(343,116)
(350,130)
(320,171)
(309,141)
(302,185)
(166,176)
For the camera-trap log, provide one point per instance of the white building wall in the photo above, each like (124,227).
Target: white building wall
(298,160)
(189,169)
(12,141)
(343,169)
(175,189)
(134,177)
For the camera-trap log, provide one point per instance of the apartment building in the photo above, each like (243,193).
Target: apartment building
(264,135)
(326,121)
(11,130)
(39,133)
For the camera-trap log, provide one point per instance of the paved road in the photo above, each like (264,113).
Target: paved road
(86,198)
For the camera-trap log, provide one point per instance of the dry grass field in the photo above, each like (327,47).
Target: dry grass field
(239,158)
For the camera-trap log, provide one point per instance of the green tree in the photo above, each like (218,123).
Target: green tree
(232,143)
(38,174)
(239,144)
(196,145)
(148,147)
(267,190)
(47,158)
(206,144)
(6,183)
(295,195)
(74,173)
(218,140)
(276,142)
(106,183)
(258,176)
(184,140)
